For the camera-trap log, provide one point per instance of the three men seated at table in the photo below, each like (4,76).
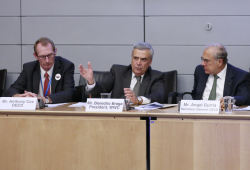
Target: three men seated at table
(50,77)
(136,82)
(215,78)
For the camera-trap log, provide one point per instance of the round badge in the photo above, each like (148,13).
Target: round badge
(58,76)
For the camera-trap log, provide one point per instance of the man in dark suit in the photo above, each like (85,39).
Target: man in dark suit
(137,82)
(50,78)
(215,78)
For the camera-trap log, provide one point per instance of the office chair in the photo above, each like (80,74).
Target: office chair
(3,77)
(77,97)
(170,87)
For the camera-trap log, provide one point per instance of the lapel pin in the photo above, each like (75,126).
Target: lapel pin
(58,76)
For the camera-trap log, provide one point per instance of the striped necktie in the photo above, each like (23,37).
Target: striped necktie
(46,83)
(137,85)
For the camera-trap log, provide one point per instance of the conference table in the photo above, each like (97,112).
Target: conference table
(70,138)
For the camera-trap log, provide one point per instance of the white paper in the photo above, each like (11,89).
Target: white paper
(54,105)
(79,104)
(241,109)
(150,106)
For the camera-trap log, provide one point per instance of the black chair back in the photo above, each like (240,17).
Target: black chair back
(170,85)
(3,77)
(77,97)
(98,76)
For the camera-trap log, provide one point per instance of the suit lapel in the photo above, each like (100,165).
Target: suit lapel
(126,80)
(56,70)
(144,84)
(228,81)
(36,79)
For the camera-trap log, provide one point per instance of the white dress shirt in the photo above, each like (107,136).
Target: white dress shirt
(220,85)
(42,71)
(132,85)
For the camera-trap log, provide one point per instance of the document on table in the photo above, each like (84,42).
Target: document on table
(54,105)
(79,104)
(241,108)
(155,105)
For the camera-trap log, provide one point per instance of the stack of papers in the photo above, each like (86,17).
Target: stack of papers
(153,106)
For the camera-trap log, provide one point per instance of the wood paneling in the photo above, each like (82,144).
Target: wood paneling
(29,143)
(200,144)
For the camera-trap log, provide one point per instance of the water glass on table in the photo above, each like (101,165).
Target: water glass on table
(229,104)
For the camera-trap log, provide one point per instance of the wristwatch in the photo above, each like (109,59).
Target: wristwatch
(46,100)
(139,100)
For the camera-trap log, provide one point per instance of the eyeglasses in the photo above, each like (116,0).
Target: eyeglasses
(204,60)
(43,57)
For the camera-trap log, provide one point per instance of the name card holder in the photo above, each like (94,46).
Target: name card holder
(18,103)
(105,105)
(200,106)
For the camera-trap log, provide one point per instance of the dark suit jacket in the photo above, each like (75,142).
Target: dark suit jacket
(152,85)
(237,84)
(61,90)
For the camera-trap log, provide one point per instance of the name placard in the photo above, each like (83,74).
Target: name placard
(18,103)
(104,105)
(200,106)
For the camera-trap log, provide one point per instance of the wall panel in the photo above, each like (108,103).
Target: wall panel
(83,30)
(10,30)
(194,7)
(10,8)
(181,58)
(86,7)
(10,58)
(185,83)
(190,30)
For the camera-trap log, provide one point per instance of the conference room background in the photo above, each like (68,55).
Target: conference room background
(104,31)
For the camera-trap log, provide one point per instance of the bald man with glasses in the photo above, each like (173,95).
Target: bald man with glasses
(215,78)
(50,77)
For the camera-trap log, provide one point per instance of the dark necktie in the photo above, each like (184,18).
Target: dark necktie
(137,85)
(46,83)
(212,95)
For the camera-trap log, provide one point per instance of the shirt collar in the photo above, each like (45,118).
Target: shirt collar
(222,74)
(133,75)
(49,72)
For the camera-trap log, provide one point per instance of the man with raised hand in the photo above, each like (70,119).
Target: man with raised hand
(136,82)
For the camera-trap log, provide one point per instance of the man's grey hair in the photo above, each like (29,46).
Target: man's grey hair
(220,51)
(144,46)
